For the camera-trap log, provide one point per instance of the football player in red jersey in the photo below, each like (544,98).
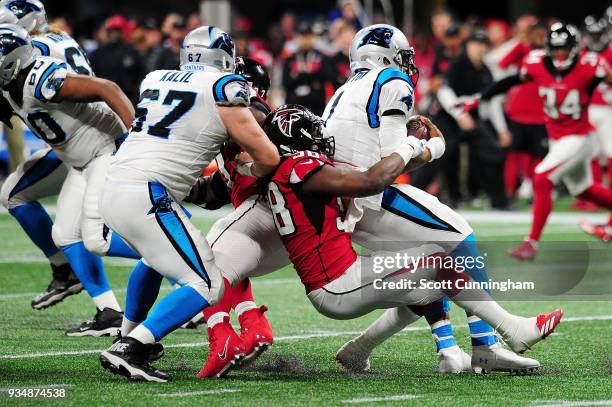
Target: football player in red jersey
(600,112)
(566,80)
(224,186)
(304,196)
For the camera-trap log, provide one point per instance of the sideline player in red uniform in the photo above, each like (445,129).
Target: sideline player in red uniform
(600,113)
(566,80)
(304,197)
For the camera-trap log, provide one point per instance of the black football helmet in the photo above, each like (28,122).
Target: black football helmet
(294,128)
(563,36)
(255,73)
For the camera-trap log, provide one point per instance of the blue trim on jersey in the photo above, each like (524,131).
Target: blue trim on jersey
(38,89)
(44,48)
(219,86)
(397,202)
(175,230)
(384,76)
(41,169)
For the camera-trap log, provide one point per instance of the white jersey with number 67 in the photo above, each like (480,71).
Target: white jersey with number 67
(177,130)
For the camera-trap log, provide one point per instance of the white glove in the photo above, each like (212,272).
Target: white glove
(409,148)
(436,147)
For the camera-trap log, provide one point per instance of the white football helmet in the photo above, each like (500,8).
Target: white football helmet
(30,14)
(16,52)
(208,48)
(382,45)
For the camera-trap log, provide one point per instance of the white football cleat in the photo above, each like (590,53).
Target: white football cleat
(495,358)
(520,334)
(454,360)
(354,357)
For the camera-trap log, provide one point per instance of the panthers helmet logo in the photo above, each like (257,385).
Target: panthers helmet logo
(380,36)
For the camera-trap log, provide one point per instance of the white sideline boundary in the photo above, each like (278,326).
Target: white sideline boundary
(569,403)
(484,216)
(312,335)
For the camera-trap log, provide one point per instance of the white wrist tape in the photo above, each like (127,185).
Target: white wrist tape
(245,169)
(436,147)
(406,151)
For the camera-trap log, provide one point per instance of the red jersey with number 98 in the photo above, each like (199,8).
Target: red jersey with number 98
(311,226)
(565,97)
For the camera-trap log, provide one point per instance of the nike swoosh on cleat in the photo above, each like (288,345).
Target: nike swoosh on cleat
(224,354)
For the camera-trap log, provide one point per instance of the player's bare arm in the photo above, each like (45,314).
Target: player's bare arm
(80,88)
(350,183)
(244,130)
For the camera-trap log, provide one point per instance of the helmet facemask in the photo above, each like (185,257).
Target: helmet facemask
(405,59)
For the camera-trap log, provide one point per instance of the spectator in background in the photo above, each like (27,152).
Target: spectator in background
(441,21)
(343,34)
(117,60)
(304,72)
(146,38)
(351,12)
(167,56)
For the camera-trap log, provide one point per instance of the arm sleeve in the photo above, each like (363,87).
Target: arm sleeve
(496,111)
(49,79)
(392,132)
(231,90)
(449,100)
(501,86)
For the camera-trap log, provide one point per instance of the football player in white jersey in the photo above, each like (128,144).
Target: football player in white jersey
(376,104)
(43,173)
(182,120)
(81,118)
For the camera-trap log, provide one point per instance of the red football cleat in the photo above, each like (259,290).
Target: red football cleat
(255,332)
(226,350)
(525,251)
(598,231)
(548,322)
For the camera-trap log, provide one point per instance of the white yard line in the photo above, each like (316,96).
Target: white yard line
(570,403)
(197,393)
(166,287)
(399,397)
(38,386)
(322,334)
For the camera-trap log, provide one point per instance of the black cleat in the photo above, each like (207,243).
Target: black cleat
(128,357)
(153,351)
(106,322)
(64,284)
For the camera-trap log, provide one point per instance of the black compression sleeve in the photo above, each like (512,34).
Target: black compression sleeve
(501,86)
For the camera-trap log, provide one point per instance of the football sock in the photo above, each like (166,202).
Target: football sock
(511,170)
(127,326)
(442,332)
(480,332)
(172,311)
(242,297)
(216,313)
(58,259)
(88,268)
(107,300)
(542,204)
(118,248)
(37,224)
(388,324)
(142,291)
(598,194)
